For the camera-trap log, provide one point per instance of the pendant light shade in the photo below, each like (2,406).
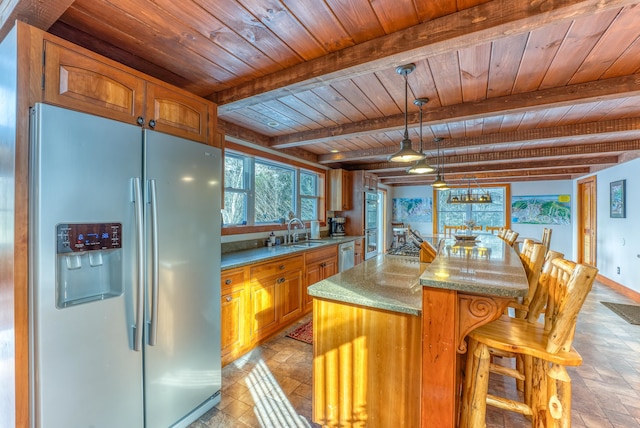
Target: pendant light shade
(439,183)
(406,153)
(421,166)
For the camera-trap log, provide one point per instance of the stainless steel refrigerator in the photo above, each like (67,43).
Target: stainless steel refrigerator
(125,274)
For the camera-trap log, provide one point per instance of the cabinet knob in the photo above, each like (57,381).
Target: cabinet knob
(152,123)
(228,298)
(140,120)
(228,281)
(280,280)
(281,267)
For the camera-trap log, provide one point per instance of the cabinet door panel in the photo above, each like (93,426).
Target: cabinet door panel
(178,113)
(233,312)
(264,316)
(290,296)
(81,82)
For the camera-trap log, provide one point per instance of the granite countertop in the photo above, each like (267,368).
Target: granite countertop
(485,266)
(384,282)
(246,257)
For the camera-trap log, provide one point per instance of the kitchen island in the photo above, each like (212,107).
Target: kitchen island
(389,334)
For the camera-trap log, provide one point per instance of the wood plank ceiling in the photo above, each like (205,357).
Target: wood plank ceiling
(518,90)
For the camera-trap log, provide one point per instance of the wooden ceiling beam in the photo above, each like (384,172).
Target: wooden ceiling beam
(241,134)
(469,27)
(558,154)
(510,165)
(628,127)
(394,176)
(33,12)
(579,93)
(487,181)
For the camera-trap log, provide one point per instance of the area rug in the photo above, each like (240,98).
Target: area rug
(304,333)
(630,313)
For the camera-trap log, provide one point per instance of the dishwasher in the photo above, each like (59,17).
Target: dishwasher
(346,256)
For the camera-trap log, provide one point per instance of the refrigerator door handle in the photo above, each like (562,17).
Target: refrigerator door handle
(153,322)
(139,320)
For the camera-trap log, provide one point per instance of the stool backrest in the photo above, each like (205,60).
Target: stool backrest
(532,263)
(569,284)
(546,237)
(511,237)
(539,298)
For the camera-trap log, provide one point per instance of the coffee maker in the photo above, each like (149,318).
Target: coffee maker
(336,226)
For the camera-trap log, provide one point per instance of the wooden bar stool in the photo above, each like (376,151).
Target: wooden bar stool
(548,345)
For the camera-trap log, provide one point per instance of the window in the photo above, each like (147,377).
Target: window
(274,195)
(309,195)
(260,191)
(493,214)
(236,191)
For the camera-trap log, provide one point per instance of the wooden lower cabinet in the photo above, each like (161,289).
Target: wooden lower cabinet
(276,295)
(234,313)
(358,251)
(319,264)
(261,299)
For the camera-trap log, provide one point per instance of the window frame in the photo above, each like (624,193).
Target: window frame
(234,149)
(506,211)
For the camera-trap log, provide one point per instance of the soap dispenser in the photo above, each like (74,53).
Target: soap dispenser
(272,238)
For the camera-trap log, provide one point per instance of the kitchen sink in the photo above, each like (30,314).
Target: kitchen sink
(306,244)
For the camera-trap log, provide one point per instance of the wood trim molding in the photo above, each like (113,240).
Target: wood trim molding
(627,292)
(266,155)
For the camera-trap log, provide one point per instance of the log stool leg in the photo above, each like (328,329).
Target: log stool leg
(539,393)
(474,401)
(559,397)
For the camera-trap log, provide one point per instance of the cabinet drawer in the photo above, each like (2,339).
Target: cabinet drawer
(231,278)
(321,254)
(273,268)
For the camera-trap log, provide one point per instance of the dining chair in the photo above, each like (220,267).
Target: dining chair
(548,345)
(450,230)
(493,229)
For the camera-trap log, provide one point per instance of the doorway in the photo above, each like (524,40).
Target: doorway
(587,227)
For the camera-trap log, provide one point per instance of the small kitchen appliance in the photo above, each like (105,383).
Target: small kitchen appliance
(337,226)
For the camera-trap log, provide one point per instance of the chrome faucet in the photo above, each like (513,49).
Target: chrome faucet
(294,238)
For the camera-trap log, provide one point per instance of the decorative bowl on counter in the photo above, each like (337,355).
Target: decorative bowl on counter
(465,237)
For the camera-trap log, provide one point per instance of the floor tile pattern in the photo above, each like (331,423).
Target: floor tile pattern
(271,386)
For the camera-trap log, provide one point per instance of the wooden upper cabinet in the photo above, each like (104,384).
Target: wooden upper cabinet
(339,190)
(83,83)
(178,113)
(82,80)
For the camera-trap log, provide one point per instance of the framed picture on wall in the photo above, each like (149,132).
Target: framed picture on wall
(617,199)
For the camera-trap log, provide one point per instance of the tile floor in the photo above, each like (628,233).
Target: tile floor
(271,386)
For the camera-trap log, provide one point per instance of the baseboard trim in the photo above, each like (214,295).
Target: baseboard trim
(632,294)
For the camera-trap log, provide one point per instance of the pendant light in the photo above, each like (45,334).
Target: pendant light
(406,153)
(439,183)
(421,166)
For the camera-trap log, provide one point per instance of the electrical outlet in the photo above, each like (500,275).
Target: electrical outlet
(618,270)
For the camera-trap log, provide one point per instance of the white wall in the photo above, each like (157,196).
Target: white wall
(425,229)
(562,235)
(618,239)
